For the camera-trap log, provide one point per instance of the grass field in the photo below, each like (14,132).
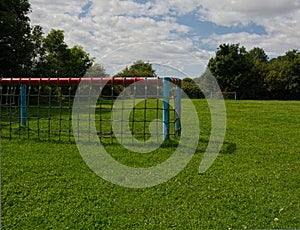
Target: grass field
(54,122)
(255,179)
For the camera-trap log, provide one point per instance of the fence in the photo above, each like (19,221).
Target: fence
(43,108)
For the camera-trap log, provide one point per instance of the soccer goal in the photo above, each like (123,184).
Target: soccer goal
(137,108)
(223,95)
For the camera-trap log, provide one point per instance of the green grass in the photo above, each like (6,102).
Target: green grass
(54,123)
(256,178)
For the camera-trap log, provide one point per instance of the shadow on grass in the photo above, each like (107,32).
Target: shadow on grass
(227,147)
(21,133)
(164,145)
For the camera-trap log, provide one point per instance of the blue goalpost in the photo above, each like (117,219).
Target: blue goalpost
(42,107)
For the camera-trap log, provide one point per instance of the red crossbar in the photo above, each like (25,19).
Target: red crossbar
(76,81)
(224,92)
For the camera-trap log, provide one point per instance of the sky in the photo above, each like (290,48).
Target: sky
(178,37)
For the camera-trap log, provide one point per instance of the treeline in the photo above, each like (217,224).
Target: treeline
(252,74)
(26,52)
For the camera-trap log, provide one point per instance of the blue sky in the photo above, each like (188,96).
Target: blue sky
(207,28)
(85,9)
(177,36)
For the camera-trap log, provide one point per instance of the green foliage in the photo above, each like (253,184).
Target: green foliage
(15,38)
(57,60)
(207,83)
(253,181)
(138,69)
(26,53)
(37,42)
(235,70)
(191,89)
(96,71)
(283,81)
(253,76)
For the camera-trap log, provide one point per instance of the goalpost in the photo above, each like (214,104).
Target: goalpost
(223,95)
(41,108)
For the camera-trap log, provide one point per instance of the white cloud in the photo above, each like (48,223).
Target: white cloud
(125,26)
(118,25)
(279,18)
(232,12)
(115,7)
(173,7)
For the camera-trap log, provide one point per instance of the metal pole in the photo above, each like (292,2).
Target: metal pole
(23,104)
(178,110)
(166,109)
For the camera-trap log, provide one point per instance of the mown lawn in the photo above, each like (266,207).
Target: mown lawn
(255,179)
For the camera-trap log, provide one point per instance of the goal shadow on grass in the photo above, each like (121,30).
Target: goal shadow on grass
(227,147)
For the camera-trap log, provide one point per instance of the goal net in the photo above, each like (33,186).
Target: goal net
(135,108)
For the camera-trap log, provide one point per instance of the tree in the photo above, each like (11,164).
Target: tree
(37,43)
(237,70)
(138,69)
(259,55)
(259,68)
(191,89)
(207,82)
(15,38)
(96,71)
(26,53)
(57,60)
(78,62)
(275,86)
(253,76)
(283,81)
